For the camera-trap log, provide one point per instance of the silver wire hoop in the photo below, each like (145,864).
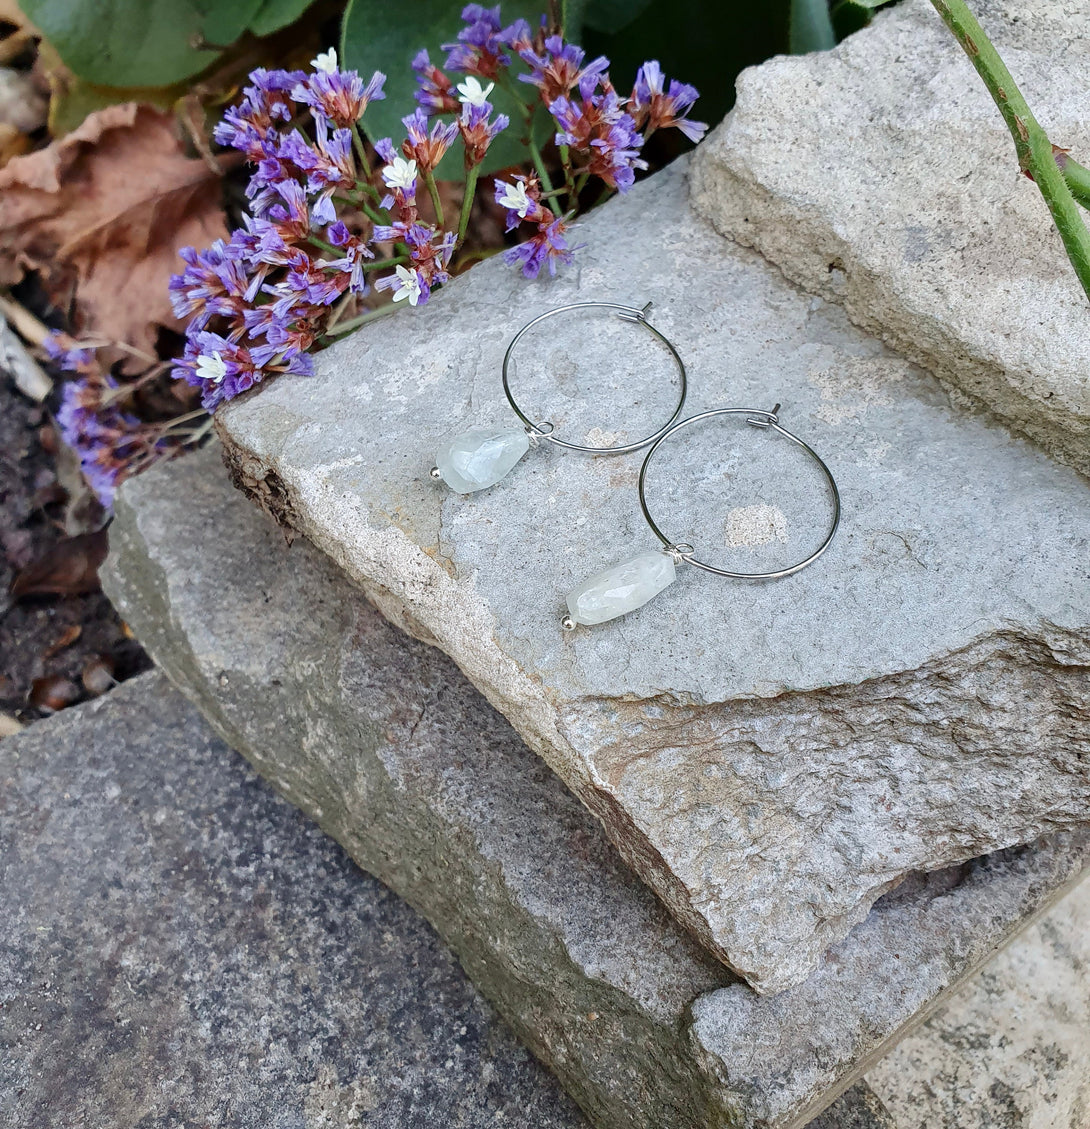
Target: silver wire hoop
(545,431)
(757,418)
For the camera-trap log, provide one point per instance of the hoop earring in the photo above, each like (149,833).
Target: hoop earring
(630,584)
(480,457)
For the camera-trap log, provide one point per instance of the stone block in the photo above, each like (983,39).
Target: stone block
(390,749)
(181,947)
(769,757)
(882,176)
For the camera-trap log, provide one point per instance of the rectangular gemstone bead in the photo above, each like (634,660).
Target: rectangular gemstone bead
(622,588)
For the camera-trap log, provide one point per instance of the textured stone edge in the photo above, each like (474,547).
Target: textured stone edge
(811,254)
(1040,894)
(417,601)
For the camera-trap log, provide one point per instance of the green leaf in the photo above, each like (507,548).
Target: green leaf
(275,14)
(612,15)
(386,37)
(123,42)
(811,28)
(151,43)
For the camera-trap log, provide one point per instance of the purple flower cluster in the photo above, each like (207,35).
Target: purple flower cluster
(522,201)
(257,302)
(110,444)
(599,133)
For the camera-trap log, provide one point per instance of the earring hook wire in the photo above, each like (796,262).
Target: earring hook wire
(546,431)
(756,417)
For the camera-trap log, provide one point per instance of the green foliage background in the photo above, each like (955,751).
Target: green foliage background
(160,43)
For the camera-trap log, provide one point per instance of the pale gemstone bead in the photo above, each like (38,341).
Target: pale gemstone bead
(481,457)
(622,588)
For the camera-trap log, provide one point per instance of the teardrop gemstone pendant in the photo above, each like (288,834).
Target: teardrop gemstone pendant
(620,589)
(479,458)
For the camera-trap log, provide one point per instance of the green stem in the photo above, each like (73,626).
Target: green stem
(361,151)
(433,191)
(1077,177)
(569,176)
(327,247)
(1035,153)
(382,264)
(363,319)
(539,163)
(467,200)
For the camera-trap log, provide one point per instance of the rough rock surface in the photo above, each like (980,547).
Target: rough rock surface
(383,741)
(769,757)
(881,175)
(1012,1048)
(180,947)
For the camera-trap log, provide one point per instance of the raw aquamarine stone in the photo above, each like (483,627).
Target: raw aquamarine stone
(622,588)
(480,457)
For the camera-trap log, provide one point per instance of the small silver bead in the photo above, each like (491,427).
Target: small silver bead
(568,623)
(436,473)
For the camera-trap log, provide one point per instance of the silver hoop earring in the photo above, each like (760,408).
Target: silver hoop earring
(480,457)
(630,584)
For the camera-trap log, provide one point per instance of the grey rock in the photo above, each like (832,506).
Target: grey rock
(771,757)
(881,175)
(1012,1048)
(858,1108)
(181,947)
(387,745)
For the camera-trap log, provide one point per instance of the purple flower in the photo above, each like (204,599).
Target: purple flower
(219,367)
(477,131)
(338,96)
(356,254)
(249,126)
(650,104)
(436,93)
(214,284)
(107,440)
(616,156)
(66,354)
(480,46)
(427,149)
(521,201)
(559,70)
(548,247)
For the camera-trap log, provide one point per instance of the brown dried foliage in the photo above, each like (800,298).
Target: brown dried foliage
(101,215)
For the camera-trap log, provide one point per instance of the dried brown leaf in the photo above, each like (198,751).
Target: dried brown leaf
(68,637)
(103,212)
(53,692)
(68,569)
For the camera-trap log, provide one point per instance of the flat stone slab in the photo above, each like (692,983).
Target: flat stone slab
(772,757)
(881,175)
(387,745)
(181,947)
(1012,1048)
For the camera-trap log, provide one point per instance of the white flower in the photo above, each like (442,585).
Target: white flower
(213,368)
(514,197)
(472,93)
(408,285)
(399,173)
(326,62)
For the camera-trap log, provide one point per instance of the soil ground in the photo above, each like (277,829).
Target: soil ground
(31,513)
